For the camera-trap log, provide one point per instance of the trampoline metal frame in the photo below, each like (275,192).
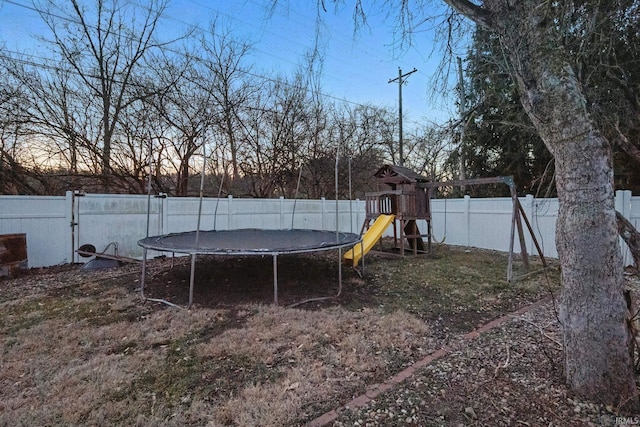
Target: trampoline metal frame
(194,251)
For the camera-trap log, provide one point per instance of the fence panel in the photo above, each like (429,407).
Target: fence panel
(486,223)
(182,214)
(46,222)
(542,215)
(102,219)
(449,221)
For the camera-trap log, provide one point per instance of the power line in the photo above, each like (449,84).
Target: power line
(166,48)
(400,79)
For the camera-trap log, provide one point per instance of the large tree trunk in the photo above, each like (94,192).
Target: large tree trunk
(593,309)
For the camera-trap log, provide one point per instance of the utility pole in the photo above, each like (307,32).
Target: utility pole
(462,101)
(400,80)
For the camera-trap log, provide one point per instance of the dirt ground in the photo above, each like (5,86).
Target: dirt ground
(81,347)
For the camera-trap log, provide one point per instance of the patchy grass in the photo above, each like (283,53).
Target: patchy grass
(80,348)
(457,289)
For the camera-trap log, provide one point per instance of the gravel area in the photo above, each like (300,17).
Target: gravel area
(508,376)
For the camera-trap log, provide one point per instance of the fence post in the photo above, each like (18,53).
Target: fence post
(358,220)
(623,203)
(229,212)
(529,201)
(467,219)
(69,214)
(164,215)
(282,226)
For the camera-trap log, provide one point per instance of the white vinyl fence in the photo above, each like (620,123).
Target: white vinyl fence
(57,226)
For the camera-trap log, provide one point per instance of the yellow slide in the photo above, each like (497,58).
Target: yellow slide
(369,239)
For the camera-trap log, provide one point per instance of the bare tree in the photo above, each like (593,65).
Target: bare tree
(56,112)
(227,80)
(365,133)
(427,150)
(275,131)
(187,109)
(13,104)
(257,165)
(103,47)
(130,162)
(369,127)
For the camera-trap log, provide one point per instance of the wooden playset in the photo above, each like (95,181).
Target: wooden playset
(402,193)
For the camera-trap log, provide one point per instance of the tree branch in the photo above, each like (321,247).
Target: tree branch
(627,146)
(477,14)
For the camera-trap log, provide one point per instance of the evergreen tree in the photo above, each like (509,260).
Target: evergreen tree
(499,138)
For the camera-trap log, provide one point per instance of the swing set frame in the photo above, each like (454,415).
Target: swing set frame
(517,216)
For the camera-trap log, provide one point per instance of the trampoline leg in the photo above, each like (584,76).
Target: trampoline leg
(275,279)
(143,274)
(191,279)
(339,272)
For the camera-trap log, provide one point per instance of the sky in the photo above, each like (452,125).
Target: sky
(357,63)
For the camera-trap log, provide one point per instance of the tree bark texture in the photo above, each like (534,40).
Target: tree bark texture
(593,311)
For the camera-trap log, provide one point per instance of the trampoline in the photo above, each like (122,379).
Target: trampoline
(243,242)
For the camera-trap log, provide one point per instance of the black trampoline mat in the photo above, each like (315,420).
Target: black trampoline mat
(250,241)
